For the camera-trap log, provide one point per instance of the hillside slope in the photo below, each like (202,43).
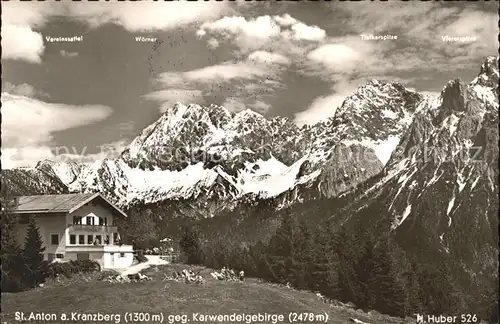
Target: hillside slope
(175,298)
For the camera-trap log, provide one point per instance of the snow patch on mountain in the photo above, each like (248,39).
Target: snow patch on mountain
(382,148)
(167,184)
(273,178)
(402,218)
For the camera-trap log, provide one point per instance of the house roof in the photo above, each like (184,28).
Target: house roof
(65,203)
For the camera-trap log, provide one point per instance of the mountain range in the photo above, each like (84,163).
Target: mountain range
(422,167)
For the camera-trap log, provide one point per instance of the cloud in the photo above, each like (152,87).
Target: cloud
(321,109)
(301,31)
(248,81)
(171,96)
(29,156)
(224,72)
(24,89)
(147,15)
(325,107)
(249,69)
(419,30)
(260,106)
(68,54)
(285,20)
(263,32)
(27,121)
(234,104)
(338,57)
(21,43)
(263,27)
(268,57)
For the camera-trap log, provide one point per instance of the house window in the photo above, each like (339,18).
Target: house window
(90,220)
(77,220)
(24,219)
(122,255)
(81,239)
(90,239)
(106,240)
(54,239)
(101,221)
(72,239)
(98,238)
(59,255)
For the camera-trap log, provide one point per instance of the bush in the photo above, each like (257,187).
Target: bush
(68,268)
(141,258)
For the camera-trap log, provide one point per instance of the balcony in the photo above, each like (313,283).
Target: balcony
(93,228)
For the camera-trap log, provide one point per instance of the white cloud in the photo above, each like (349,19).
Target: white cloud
(171,96)
(23,89)
(216,73)
(29,156)
(420,28)
(263,31)
(268,57)
(32,14)
(147,15)
(21,43)
(285,20)
(248,77)
(260,106)
(261,27)
(321,109)
(28,121)
(224,72)
(338,57)
(301,31)
(25,156)
(234,104)
(325,107)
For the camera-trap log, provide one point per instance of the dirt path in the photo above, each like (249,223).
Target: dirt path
(136,268)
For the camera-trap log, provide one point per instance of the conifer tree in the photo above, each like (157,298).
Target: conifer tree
(323,270)
(280,251)
(346,267)
(32,254)
(191,246)
(303,250)
(12,266)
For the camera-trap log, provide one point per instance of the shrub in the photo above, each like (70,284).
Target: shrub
(68,268)
(141,258)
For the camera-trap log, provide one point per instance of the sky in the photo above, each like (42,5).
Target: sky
(88,99)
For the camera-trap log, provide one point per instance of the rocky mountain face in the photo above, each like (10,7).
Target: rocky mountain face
(438,194)
(195,155)
(422,168)
(207,161)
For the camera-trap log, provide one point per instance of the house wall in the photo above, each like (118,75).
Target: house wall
(108,256)
(118,257)
(48,224)
(97,210)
